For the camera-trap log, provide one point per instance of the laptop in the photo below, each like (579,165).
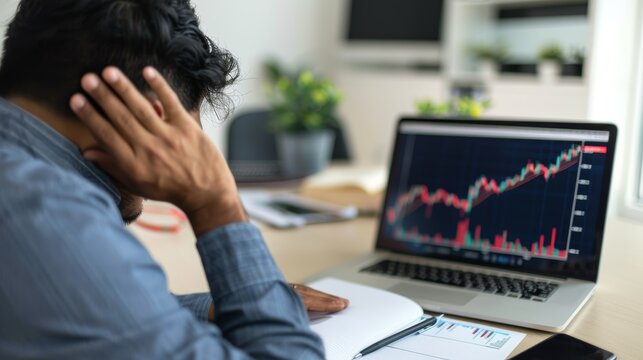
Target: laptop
(495,220)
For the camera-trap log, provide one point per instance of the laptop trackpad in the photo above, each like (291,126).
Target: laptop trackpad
(431,294)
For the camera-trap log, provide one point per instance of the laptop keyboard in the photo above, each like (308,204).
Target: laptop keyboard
(499,285)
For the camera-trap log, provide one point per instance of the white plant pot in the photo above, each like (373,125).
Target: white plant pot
(488,70)
(549,71)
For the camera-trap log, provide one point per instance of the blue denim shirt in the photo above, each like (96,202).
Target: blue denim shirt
(74,283)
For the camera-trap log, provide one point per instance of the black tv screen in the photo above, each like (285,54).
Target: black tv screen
(395,20)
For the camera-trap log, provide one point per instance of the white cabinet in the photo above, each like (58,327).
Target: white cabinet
(528,98)
(376,99)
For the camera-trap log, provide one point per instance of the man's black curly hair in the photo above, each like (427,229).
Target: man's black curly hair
(50,44)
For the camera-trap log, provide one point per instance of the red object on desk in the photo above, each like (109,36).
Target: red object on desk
(178,217)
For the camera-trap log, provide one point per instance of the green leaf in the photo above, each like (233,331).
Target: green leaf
(552,52)
(302,102)
(306,78)
(313,121)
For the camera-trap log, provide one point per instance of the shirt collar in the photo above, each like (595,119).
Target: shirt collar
(34,135)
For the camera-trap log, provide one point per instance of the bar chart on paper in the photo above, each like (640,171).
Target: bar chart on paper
(453,340)
(470,334)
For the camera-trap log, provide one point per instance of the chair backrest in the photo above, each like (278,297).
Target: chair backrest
(250,139)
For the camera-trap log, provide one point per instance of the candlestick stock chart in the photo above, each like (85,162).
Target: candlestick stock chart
(503,200)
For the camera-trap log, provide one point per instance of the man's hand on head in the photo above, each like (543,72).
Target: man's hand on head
(167,159)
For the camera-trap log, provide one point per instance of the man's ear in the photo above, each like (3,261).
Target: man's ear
(158,108)
(157,105)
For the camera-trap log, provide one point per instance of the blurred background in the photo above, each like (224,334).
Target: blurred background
(576,60)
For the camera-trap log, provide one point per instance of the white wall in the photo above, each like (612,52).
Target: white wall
(7,9)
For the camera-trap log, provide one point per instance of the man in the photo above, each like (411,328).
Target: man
(73,282)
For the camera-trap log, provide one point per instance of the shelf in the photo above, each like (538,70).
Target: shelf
(511,2)
(475,22)
(475,79)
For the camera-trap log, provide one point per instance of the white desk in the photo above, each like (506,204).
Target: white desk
(612,319)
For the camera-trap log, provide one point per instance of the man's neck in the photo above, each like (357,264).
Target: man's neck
(70,128)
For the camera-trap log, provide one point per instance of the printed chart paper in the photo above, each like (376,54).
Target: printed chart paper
(453,340)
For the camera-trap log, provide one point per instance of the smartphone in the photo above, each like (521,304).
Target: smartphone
(289,210)
(305,211)
(564,347)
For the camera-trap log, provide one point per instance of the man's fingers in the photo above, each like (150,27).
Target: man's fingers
(102,130)
(315,300)
(121,118)
(306,290)
(103,160)
(135,101)
(324,305)
(166,95)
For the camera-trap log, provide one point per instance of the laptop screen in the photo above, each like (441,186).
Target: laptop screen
(525,196)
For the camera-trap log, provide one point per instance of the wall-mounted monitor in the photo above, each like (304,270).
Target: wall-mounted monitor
(394,31)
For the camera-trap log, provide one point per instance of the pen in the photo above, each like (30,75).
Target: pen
(417,328)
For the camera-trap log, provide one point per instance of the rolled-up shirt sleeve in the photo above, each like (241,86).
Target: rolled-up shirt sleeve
(199,304)
(248,288)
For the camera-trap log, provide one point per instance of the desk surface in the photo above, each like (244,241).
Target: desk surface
(612,319)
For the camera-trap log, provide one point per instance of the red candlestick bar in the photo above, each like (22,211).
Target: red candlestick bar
(461,234)
(497,242)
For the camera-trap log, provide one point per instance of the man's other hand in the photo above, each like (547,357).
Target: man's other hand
(161,152)
(315,300)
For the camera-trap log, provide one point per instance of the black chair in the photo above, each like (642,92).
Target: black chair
(252,149)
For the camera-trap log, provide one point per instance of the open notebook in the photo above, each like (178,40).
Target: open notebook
(372,315)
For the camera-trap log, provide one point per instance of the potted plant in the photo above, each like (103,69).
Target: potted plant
(461,106)
(490,57)
(428,107)
(577,62)
(550,60)
(470,107)
(304,115)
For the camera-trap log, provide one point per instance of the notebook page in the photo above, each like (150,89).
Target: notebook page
(373,314)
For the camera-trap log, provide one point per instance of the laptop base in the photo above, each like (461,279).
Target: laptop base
(553,315)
